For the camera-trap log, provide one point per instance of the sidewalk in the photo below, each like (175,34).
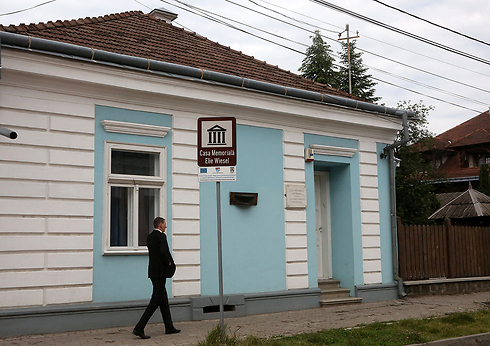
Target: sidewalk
(266,325)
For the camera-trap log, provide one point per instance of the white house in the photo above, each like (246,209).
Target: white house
(106,113)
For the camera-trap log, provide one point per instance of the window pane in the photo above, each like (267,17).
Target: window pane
(134,163)
(149,206)
(120,221)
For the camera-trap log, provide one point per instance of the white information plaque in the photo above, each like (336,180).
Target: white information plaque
(226,173)
(296,196)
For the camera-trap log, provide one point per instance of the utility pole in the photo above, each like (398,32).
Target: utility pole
(348,50)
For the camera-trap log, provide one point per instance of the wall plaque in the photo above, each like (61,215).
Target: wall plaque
(296,196)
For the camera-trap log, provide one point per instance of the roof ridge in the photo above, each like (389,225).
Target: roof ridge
(22,27)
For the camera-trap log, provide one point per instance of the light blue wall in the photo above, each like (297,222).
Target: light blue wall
(384,216)
(123,278)
(345,202)
(254,255)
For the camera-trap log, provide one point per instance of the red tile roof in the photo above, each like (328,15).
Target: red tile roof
(481,121)
(480,136)
(137,34)
(474,133)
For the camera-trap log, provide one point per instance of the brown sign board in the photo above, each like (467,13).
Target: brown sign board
(216,142)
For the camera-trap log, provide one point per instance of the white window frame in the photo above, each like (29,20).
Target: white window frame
(137,182)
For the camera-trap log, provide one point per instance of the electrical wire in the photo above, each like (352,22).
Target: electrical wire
(208,15)
(241,23)
(231,26)
(432,97)
(428,21)
(142,4)
(366,51)
(26,9)
(363,35)
(389,27)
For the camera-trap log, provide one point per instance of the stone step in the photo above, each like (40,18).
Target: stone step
(328,284)
(335,293)
(340,301)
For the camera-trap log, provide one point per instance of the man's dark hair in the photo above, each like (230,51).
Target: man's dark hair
(158,220)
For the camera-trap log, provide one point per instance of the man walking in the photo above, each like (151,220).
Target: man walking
(160,267)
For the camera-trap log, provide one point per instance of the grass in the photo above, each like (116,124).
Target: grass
(394,333)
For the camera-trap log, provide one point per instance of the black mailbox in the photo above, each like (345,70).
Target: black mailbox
(243,198)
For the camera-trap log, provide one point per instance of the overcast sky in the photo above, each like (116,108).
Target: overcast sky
(391,57)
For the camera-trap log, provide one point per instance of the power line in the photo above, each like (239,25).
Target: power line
(142,4)
(229,25)
(389,27)
(26,9)
(362,50)
(432,97)
(241,23)
(296,20)
(364,35)
(428,21)
(208,15)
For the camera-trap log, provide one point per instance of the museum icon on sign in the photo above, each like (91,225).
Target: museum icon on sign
(216,135)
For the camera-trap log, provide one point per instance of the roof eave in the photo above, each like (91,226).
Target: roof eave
(79,52)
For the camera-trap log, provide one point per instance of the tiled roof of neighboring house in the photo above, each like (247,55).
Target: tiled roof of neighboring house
(137,34)
(465,129)
(472,133)
(478,137)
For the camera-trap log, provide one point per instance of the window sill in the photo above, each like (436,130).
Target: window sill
(125,252)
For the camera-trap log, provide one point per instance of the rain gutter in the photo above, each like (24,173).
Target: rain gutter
(68,50)
(389,151)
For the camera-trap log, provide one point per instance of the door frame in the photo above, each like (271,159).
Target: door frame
(325,268)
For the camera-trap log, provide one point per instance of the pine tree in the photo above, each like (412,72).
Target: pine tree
(318,65)
(361,81)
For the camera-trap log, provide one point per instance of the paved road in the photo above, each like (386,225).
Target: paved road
(266,325)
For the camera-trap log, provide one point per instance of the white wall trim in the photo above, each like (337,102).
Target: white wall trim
(295,223)
(134,129)
(332,151)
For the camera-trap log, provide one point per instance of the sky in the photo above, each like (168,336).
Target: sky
(405,68)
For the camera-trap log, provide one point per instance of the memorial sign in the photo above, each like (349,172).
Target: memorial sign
(216,149)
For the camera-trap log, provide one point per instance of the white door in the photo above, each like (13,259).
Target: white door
(322,214)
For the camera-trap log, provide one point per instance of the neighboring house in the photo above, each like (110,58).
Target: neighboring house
(106,113)
(459,152)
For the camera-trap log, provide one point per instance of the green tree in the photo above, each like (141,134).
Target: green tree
(415,197)
(361,81)
(484,178)
(318,65)
(417,127)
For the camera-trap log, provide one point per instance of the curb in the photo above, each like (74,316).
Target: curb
(476,339)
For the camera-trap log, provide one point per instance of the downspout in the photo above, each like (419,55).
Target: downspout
(8,133)
(389,152)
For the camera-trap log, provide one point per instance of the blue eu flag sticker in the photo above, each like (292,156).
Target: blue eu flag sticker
(204,170)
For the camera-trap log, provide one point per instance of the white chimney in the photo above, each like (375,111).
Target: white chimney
(163,14)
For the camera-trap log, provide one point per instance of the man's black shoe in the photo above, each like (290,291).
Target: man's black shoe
(172,331)
(141,334)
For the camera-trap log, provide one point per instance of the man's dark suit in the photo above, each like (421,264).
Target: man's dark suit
(160,267)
